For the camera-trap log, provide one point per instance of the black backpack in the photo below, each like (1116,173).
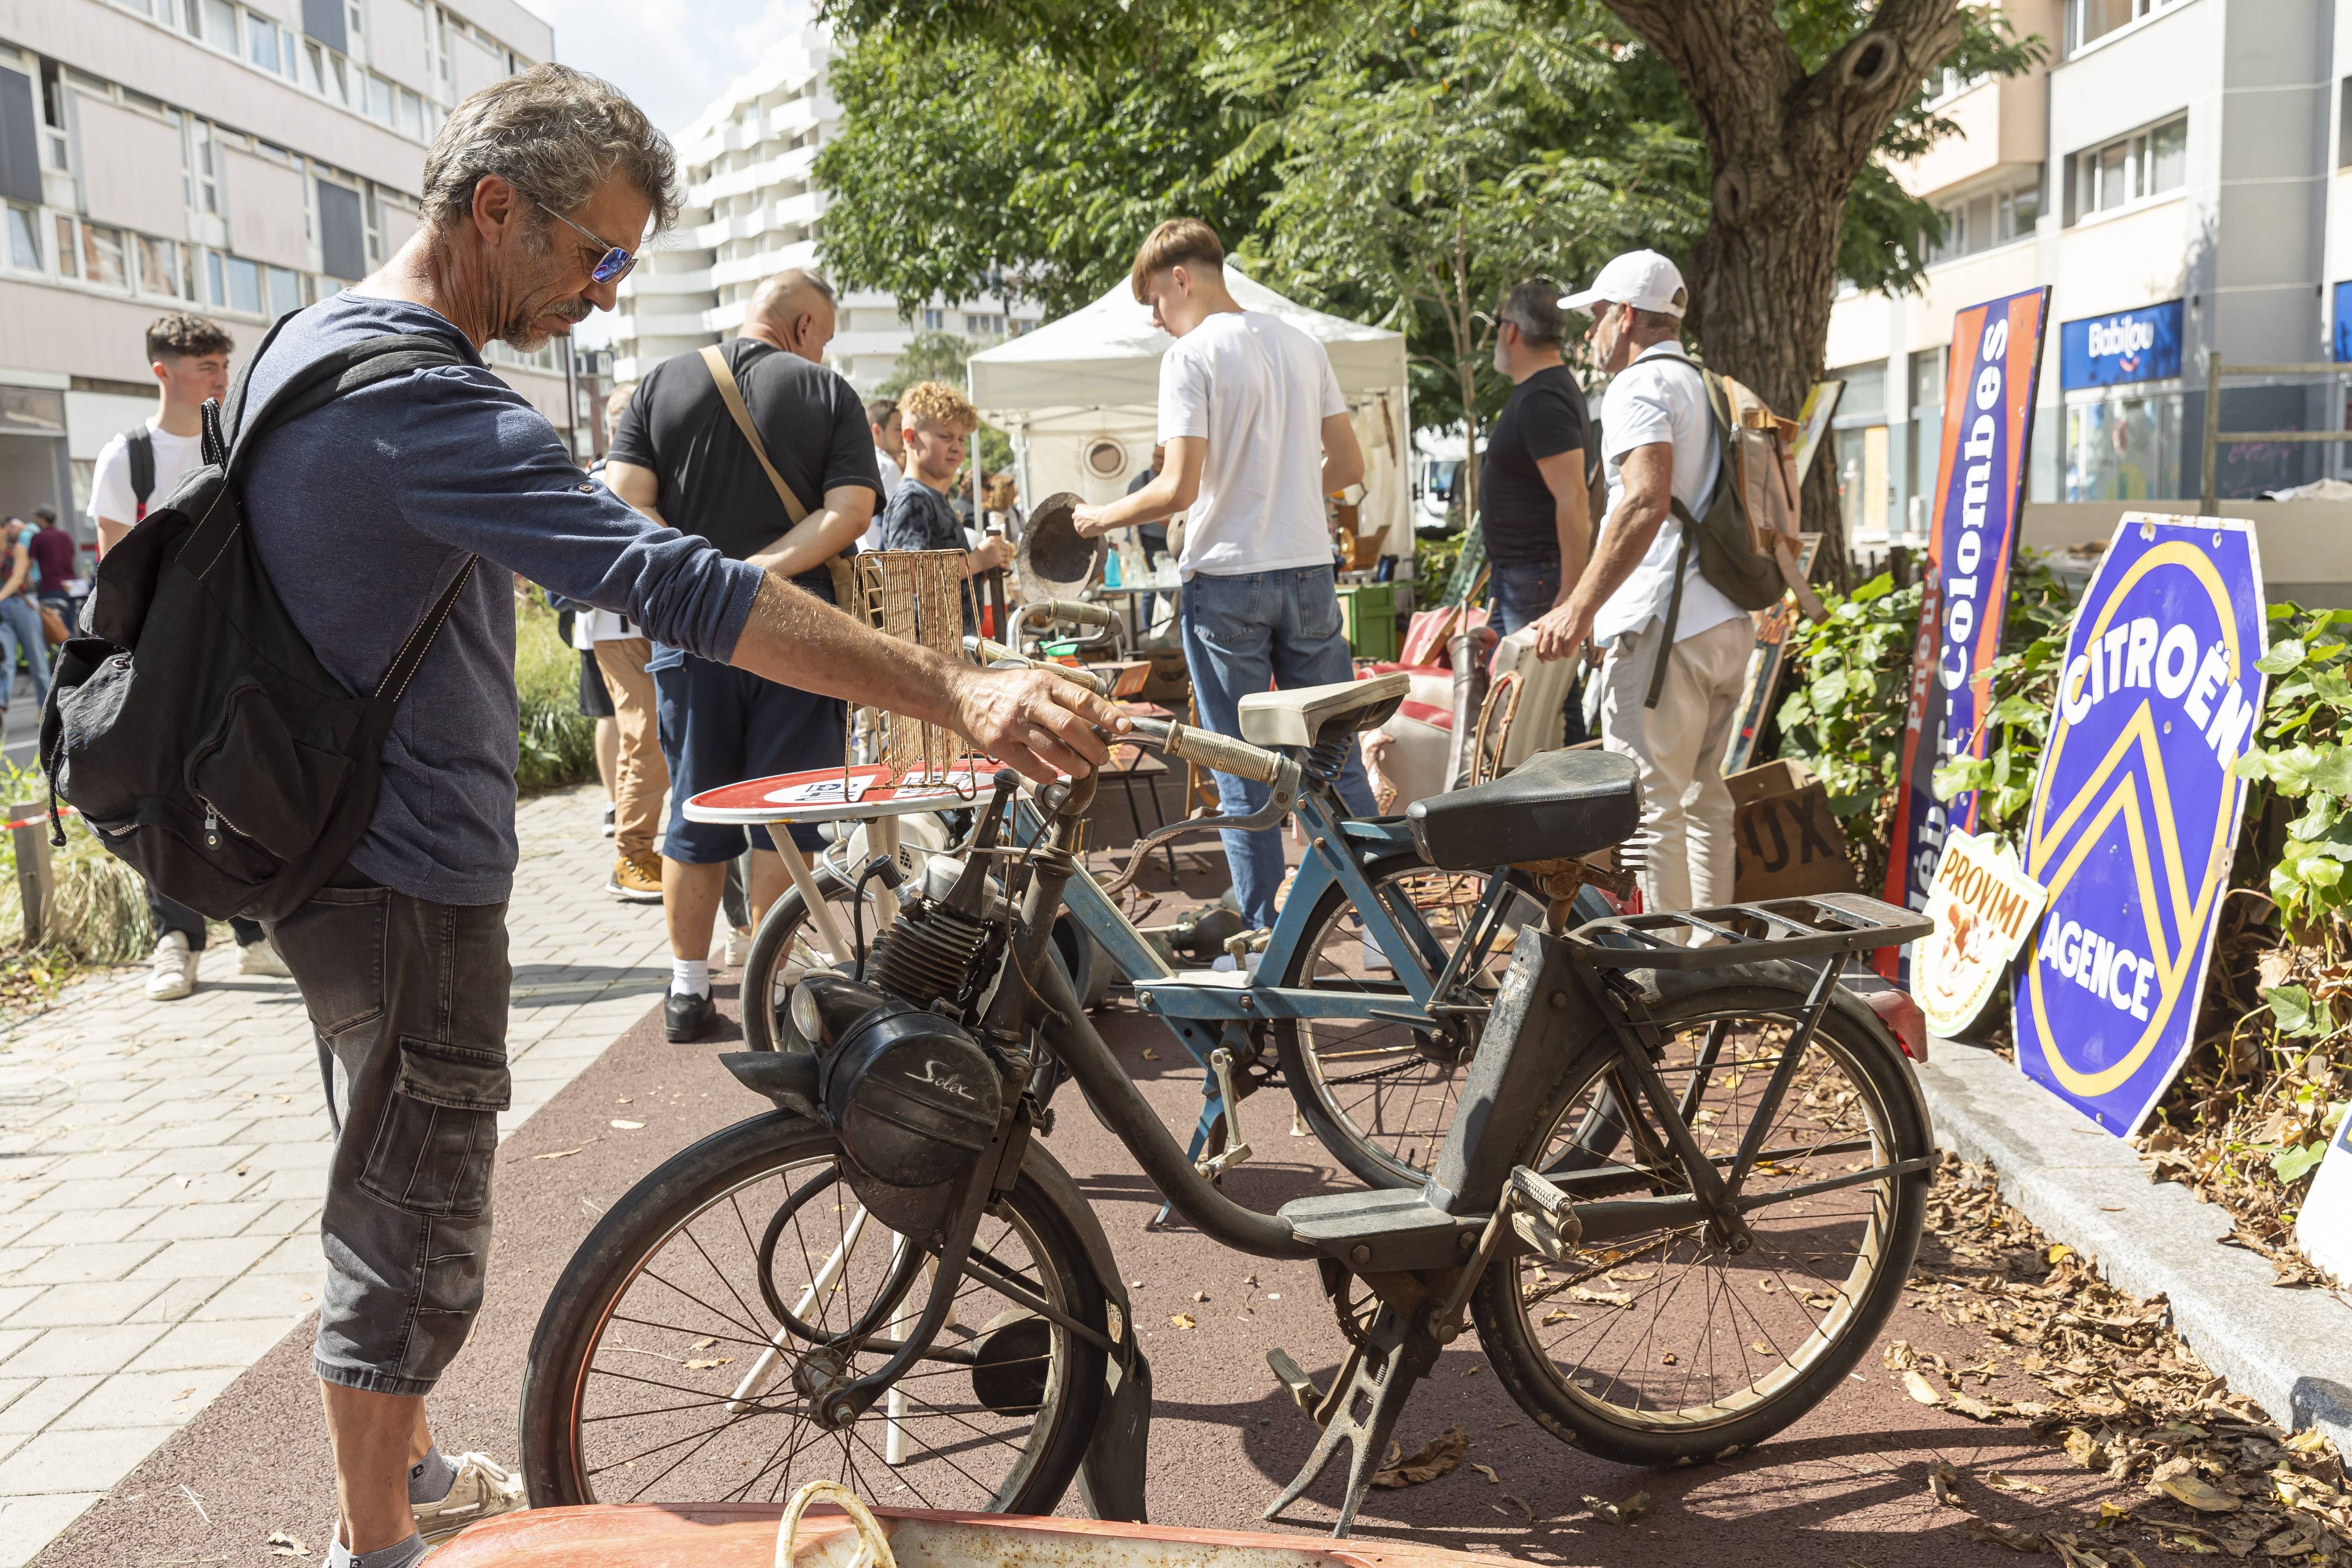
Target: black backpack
(192,727)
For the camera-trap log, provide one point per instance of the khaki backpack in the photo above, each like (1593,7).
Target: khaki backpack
(1746,540)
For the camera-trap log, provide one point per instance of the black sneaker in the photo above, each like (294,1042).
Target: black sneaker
(685,1017)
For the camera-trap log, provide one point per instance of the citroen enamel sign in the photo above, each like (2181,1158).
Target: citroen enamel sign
(2135,813)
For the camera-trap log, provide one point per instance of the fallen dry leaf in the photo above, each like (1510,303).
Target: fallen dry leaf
(1151,1055)
(704,1363)
(1919,1388)
(1437,1457)
(628,1126)
(1184,1319)
(1559,1315)
(2198,1495)
(1598,1297)
(562,1154)
(1972,1407)
(2011,1484)
(1521,1504)
(1487,1471)
(2007,1535)
(1944,1482)
(281,1544)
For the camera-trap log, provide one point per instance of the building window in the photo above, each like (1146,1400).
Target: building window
(261,42)
(220,25)
(412,114)
(2124,448)
(285,290)
(2090,20)
(215,287)
(69,249)
(1993,219)
(379,99)
(159,266)
(244,285)
(2136,168)
(934,321)
(23,238)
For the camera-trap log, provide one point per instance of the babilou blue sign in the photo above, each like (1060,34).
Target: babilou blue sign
(2135,809)
(2121,348)
(1995,361)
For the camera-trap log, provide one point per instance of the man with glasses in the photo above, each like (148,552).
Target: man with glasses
(364,513)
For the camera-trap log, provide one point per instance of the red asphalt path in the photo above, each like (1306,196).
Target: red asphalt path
(1846,1486)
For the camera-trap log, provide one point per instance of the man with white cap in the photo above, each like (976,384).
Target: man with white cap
(1659,451)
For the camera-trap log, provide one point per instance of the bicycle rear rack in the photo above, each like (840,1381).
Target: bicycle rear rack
(1828,925)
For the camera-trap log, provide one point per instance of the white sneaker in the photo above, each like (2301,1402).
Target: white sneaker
(260,957)
(172,970)
(482,1491)
(738,947)
(608,819)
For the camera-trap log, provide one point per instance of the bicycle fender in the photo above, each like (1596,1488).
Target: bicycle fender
(1111,1475)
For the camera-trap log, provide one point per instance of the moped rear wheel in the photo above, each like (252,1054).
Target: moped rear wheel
(678,1357)
(1665,1347)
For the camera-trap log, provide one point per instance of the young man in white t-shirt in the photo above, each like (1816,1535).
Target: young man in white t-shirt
(188,357)
(1257,435)
(1659,445)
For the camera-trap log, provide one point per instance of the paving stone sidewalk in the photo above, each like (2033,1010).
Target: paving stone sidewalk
(162,1167)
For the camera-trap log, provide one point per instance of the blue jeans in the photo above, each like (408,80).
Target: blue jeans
(1245,634)
(1518,596)
(20,626)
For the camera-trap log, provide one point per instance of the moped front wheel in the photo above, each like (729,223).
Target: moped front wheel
(679,1356)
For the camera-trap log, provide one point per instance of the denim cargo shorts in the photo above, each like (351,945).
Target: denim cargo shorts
(408,1000)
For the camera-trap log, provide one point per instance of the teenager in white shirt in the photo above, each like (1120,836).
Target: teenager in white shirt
(188,357)
(1257,435)
(888,423)
(1659,446)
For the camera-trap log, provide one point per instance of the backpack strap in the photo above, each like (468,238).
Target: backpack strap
(139,444)
(346,370)
(332,375)
(216,447)
(404,664)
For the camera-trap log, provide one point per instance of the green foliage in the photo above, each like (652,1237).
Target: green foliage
(556,742)
(978,157)
(1847,679)
(2024,685)
(1398,162)
(2294,1009)
(2303,752)
(1434,560)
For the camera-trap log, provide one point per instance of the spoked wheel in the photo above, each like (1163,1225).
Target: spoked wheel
(679,1357)
(786,946)
(1664,1347)
(1380,1094)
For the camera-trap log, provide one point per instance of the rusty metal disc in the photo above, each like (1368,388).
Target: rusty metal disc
(1055,561)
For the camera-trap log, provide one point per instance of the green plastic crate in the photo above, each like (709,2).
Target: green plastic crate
(1369,612)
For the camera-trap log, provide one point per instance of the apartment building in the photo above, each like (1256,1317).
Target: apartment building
(238,158)
(2179,175)
(751,210)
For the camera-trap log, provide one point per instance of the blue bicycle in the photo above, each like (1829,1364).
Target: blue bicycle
(1370,994)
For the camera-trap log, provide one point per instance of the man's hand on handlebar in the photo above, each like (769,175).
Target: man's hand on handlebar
(1034,722)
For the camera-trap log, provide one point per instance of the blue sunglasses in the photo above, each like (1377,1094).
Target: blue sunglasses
(613,266)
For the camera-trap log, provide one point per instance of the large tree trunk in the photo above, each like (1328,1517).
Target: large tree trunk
(1786,146)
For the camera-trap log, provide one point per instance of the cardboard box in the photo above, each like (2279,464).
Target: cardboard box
(1789,840)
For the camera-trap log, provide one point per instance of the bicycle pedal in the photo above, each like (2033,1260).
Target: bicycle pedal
(1215,1165)
(1287,1372)
(1542,1215)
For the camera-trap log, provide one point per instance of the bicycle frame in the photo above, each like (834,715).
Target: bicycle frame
(1205,1016)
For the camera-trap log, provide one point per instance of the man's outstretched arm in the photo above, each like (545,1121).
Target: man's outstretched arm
(1036,722)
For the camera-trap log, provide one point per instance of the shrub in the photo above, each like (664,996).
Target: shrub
(556,743)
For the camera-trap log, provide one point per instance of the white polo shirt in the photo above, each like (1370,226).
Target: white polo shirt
(1660,397)
(1257,390)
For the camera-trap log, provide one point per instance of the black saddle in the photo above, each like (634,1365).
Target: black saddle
(1553,806)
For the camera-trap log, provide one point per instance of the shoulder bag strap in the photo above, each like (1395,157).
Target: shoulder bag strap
(714,359)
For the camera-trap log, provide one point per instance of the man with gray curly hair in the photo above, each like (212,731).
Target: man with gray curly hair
(441,480)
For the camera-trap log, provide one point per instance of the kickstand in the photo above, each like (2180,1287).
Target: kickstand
(1364,1403)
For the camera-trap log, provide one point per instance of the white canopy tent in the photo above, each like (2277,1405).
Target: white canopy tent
(1079,399)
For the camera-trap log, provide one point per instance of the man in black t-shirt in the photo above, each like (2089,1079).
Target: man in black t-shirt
(678,457)
(1533,501)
